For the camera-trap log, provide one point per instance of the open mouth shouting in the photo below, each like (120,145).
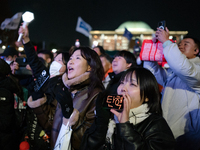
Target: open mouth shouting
(70,69)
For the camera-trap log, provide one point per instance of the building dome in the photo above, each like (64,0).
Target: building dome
(134,26)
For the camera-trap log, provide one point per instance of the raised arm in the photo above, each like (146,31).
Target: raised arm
(36,65)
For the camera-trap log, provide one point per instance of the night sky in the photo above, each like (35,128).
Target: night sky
(55,20)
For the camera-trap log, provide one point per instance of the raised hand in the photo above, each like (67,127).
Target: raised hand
(25,32)
(124,115)
(162,35)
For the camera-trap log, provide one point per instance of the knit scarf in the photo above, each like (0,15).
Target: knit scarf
(136,115)
(76,83)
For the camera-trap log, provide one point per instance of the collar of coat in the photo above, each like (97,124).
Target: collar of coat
(77,82)
(195,60)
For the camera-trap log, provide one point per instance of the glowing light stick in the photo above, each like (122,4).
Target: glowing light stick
(27,17)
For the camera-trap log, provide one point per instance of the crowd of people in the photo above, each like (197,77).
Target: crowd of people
(71,89)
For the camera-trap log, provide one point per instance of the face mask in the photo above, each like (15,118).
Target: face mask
(8,62)
(54,68)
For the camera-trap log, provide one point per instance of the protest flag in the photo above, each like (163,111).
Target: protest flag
(11,23)
(127,34)
(83,27)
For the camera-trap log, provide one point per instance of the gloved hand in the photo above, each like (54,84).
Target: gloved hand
(35,95)
(63,96)
(102,115)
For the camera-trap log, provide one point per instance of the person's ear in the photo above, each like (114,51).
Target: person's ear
(89,68)
(196,51)
(129,65)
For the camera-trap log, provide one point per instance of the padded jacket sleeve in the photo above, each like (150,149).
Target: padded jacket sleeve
(33,60)
(159,72)
(186,69)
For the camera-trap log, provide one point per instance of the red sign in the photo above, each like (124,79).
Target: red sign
(152,51)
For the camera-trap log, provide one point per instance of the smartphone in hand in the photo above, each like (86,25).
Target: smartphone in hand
(114,102)
(162,24)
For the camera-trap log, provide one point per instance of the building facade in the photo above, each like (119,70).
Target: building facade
(114,40)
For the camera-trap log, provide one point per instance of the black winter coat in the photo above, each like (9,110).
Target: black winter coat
(7,90)
(114,82)
(40,72)
(8,133)
(151,134)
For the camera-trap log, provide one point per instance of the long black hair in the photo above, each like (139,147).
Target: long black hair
(93,60)
(148,87)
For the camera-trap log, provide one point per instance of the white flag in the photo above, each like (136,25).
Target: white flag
(83,27)
(11,23)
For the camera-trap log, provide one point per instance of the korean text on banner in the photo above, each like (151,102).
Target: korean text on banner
(152,51)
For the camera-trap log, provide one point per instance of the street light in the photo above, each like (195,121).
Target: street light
(27,17)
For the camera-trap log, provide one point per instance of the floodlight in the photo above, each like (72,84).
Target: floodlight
(27,17)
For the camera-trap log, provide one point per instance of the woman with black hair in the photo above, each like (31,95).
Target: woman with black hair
(82,85)
(43,102)
(42,93)
(140,126)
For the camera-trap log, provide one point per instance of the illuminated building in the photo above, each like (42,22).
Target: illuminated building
(114,40)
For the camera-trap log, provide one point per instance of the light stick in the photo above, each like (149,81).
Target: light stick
(27,17)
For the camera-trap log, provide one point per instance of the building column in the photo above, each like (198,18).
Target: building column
(141,38)
(115,37)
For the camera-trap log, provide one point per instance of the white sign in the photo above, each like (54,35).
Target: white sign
(11,23)
(83,27)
